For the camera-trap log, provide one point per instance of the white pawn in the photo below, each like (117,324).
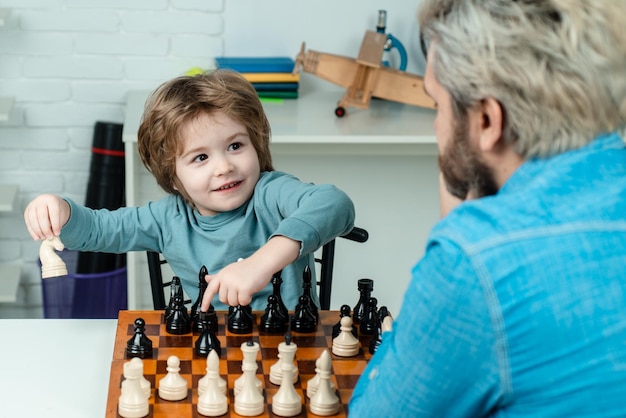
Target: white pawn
(387,324)
(173,387)
(143,382)
(249,402)
(212,402)
(345,344)
(133,403)
(324,402)
(249,350)
(276,370)
(221,382)
(313,383)
(286,402)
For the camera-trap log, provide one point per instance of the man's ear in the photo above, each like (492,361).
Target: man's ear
(491,124)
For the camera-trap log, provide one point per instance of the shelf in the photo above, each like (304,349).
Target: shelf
(6,104)
(7,197)
(9,281)
(310,120)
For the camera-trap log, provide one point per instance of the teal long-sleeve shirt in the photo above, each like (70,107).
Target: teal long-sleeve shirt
(281,205)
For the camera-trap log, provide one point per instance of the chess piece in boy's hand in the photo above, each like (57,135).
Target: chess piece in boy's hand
(51,264)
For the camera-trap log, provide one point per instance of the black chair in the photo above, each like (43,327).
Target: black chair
(326,271)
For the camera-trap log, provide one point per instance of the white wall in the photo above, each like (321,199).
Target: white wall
(70,63)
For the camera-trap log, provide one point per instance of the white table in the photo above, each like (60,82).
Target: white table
(55,367)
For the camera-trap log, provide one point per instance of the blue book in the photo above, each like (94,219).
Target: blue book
(275,86)
(256,64)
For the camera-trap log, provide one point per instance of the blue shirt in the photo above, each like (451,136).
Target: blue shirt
(280,205)
(518,307)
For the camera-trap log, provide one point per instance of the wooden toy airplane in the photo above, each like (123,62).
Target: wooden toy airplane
(364,76)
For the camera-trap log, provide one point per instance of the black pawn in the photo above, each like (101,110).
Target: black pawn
(195,308)
(303,319)
(178,322)
(369,321)
(277,281)
(139,345)
(306,292)
(240,319)
(365,286)
(343,311)
(378,334)
(272,320)
(207,340)
(176,289)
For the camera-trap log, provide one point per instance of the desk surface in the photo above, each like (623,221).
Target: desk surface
(310,119)
(56,367)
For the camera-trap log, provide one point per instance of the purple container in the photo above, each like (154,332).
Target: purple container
(94,295)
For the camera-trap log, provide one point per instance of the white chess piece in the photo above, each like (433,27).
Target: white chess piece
(51,264)
(221,382)
(276,371)
(387,324)
(133,403)
(324,402)
(173,387)
(143,382)
(313,383)
(212,402)
(345,344)
(287,402)
(249,350)
(249,402)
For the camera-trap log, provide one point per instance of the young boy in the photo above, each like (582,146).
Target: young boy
(205,139)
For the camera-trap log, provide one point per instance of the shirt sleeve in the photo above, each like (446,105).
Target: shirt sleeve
(439,359)
(118,231)
(312,214)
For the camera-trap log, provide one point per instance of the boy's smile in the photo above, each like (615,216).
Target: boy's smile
(219,166)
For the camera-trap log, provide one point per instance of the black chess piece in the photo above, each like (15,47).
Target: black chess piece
(207,340)
(378,334)
(139,345)
(277,281)
(306,291)
(176,289)
(343,311)
(303,319)
(178,322)
(240,319)
(272,320)
(369,321)
(365,286)
(195,308)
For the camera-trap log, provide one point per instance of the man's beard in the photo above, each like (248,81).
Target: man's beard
(462,168)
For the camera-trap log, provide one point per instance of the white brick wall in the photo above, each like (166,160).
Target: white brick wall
(68,64)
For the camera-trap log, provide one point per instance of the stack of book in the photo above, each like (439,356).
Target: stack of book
(271,77)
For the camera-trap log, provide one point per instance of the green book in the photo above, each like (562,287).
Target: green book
(278,94)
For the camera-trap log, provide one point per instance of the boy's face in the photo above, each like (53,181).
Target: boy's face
(219,166)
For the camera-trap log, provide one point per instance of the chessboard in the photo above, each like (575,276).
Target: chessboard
(345,370)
